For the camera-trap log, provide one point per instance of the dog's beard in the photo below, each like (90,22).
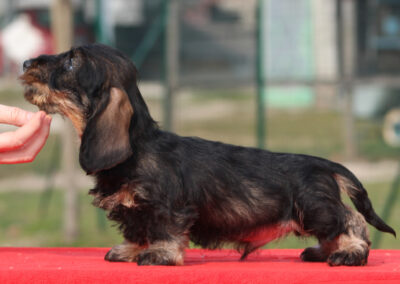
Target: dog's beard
(54,102)
(40,98)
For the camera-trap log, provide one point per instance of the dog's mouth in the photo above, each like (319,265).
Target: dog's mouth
(34,95)
(30,93)
(38,94)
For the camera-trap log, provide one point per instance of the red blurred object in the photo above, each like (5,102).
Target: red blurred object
(86,265)
(48,47)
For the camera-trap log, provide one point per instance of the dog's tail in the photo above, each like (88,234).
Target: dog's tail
(349,184)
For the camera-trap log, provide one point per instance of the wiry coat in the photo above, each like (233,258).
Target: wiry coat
(163,189)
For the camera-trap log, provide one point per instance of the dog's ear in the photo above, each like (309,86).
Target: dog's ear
(106,139)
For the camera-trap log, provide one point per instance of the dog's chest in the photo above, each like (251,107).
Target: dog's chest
(125,197)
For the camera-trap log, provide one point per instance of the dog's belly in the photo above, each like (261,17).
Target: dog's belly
(272,232)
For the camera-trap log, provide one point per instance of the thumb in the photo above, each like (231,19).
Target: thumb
(14,115)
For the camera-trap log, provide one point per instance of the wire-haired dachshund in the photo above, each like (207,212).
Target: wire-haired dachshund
(164,190)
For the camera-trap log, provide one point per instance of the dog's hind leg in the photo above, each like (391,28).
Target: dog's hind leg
(319,212)
(348,248)
(352,247)
(341,231)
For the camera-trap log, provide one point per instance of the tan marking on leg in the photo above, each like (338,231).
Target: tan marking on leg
(351,243)
(351,248)
(171,251)
(358,236)
(125,252)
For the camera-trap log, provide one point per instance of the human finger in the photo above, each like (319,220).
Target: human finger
(28,153)
(16,139)
(14,115)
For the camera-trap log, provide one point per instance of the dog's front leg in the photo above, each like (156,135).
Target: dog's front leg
(159,239)
(160,252)
(167,252)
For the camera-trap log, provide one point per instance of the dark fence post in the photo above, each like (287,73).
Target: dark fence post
(346,38)
(171,58)
(260,72)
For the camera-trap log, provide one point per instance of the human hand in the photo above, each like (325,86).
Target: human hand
(23,144)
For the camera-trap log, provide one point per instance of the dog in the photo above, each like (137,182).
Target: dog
(164,190)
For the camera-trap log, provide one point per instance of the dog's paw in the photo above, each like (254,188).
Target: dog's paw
(120,253)
(313,254)
(349,258)
(155,258)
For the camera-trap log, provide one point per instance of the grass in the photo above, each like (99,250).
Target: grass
(11,96)
(320,134)
(47,161)
(370,141)
(25,223)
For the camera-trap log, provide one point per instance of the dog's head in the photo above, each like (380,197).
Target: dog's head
(95,87)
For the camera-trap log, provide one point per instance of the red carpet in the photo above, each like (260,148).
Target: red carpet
(86,265)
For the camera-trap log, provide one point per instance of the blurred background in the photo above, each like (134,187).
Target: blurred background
(320,77)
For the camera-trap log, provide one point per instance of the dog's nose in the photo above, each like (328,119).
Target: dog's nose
(27,64)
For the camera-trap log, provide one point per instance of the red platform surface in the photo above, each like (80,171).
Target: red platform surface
(86,265)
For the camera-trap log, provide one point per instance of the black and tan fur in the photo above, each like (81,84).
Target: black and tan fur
(164,190)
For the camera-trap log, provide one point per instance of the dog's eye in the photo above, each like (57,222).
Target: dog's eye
(69,64)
